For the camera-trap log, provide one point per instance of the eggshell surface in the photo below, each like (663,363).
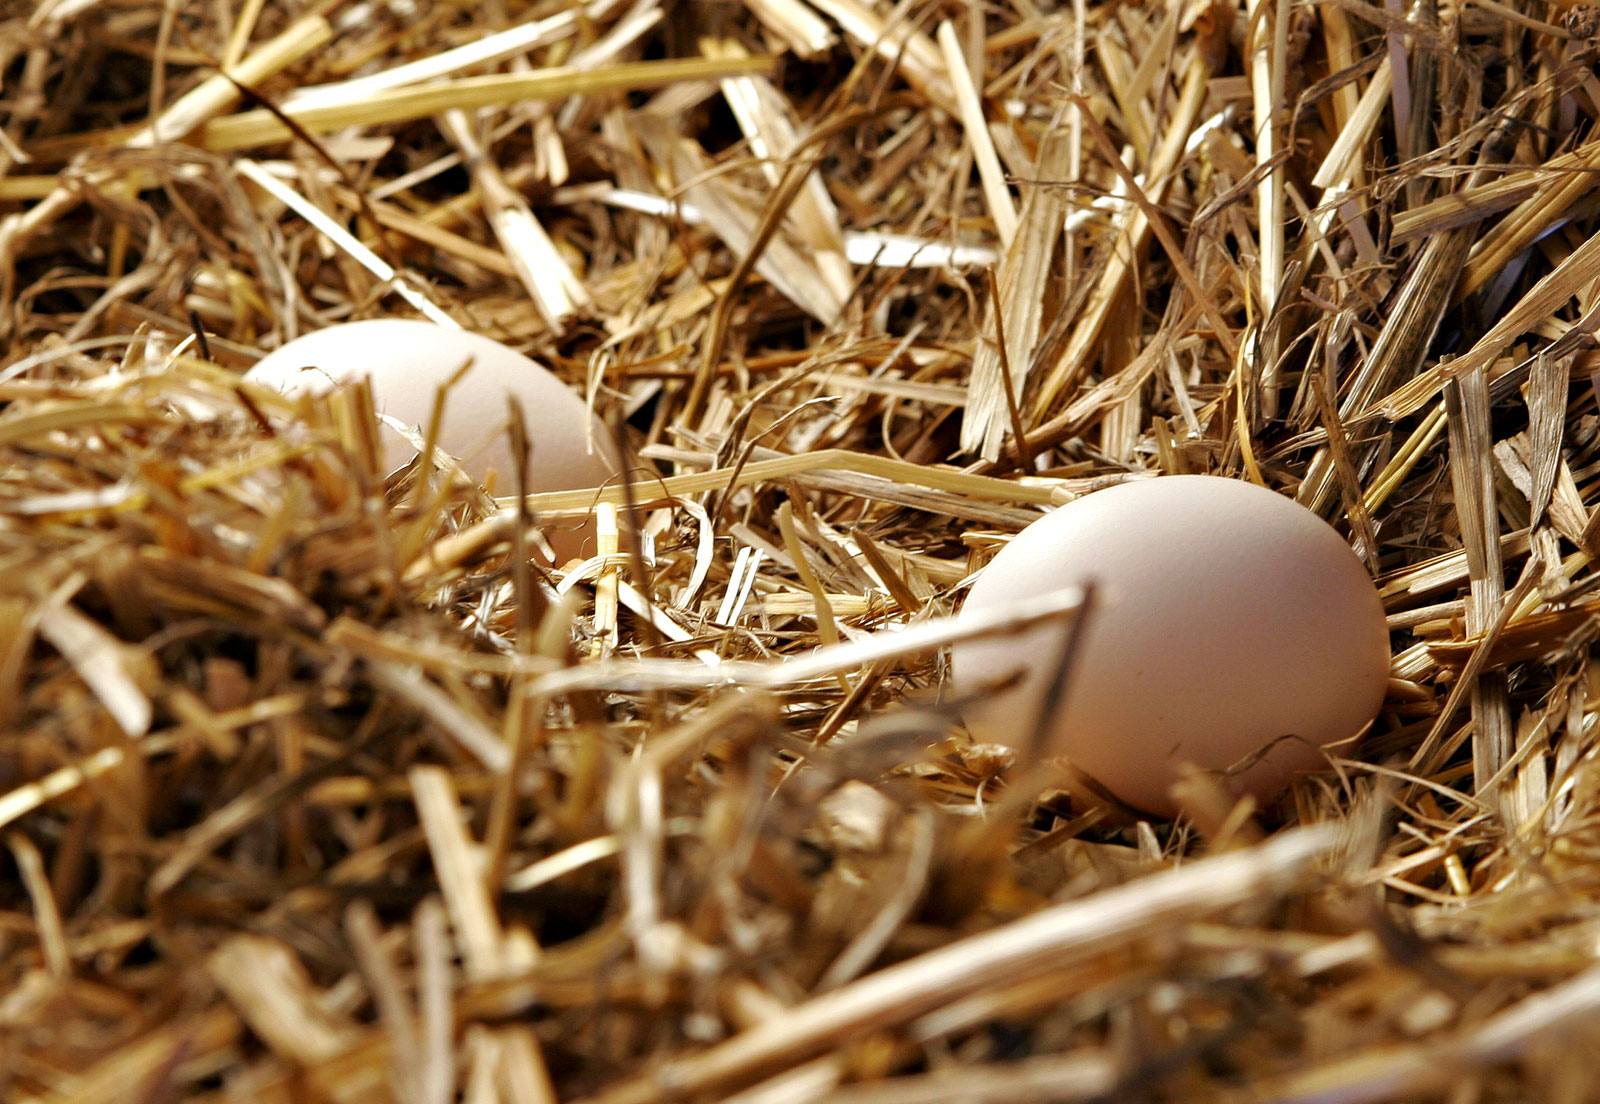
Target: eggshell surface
(1231,628)
(407,360)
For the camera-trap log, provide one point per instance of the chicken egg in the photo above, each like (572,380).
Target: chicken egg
(406,362)
(1231,628)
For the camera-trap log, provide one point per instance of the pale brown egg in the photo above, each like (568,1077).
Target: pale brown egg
(1231,628)
(407,360)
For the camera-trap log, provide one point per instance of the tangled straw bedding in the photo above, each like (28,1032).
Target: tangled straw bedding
(312,790)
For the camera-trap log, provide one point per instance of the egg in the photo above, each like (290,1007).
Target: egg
(406,362)
(1230,628)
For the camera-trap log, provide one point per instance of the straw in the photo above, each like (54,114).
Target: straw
(317,784)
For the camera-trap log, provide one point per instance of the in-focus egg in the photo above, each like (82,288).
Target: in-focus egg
(1232,629)
(407,360)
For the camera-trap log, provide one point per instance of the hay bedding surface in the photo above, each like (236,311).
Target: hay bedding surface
(312,791)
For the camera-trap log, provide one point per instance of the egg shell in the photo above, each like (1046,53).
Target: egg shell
(1225,617)
(407,360)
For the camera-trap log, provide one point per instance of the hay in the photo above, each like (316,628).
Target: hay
(313,790)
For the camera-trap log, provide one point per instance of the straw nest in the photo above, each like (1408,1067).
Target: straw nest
(312,790)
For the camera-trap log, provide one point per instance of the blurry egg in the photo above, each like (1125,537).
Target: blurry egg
(407,360)
(1231,628)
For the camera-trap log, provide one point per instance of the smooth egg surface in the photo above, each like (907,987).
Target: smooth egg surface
(1231,628)
(407,360)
